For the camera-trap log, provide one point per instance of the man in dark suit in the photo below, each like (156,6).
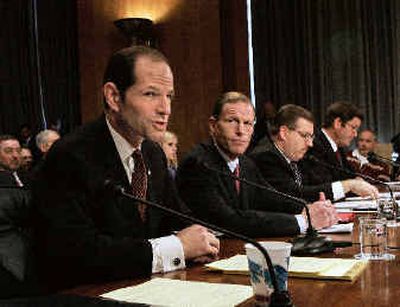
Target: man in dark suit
(232,204)
(342,121)
(293,134)
(10,161)
(84,231)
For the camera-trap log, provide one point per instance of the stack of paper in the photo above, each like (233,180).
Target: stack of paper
(172,292)
(305,267)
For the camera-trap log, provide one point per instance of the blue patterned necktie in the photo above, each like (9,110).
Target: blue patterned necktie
(296,173)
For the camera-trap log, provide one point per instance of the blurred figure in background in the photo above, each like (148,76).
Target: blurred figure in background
(26,159)
(360,162)
(10,161)
(170,147)
(45,139)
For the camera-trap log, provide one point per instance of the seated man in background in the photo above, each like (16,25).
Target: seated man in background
(45,139)
(293,134)
(10,161)
(170,146)
(26,159)
(342,121)
(362,163)
(227,202)
(85,231)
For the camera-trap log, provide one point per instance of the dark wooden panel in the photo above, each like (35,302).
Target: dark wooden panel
(189,34)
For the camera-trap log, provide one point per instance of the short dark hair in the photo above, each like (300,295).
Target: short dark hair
(344,110)
(120,67)
(288,115)
(6,137)
(229,97)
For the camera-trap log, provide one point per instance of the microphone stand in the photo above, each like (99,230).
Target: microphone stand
(372,155)
(311,242)
(278,297)
(366,177)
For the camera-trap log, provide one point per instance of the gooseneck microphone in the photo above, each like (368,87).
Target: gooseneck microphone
(311,242)
(373,156)
(278,297)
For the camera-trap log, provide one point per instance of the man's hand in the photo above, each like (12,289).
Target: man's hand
(323,213)
(360,187)
(198,243)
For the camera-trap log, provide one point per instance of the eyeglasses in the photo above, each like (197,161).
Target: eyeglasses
(353,127)
(305,135)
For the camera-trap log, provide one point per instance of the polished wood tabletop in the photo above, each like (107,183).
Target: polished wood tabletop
(378,284)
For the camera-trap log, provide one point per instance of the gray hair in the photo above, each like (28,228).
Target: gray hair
(43,136)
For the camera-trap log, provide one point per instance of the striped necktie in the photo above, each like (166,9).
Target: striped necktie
(236,172)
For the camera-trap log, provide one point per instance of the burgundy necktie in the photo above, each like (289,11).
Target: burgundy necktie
(338,157)
(236,172)
(139,181)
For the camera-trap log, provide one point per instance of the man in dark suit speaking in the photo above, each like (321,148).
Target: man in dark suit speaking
(236,205)
(85,233)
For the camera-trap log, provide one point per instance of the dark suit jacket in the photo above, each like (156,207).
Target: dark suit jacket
(315,173)
(254,212)
(84,231)
(276,170)
(7,179)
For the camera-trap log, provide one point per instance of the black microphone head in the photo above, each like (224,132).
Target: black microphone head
(112,187)
(371,156)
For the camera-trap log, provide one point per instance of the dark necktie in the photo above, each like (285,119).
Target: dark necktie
(139,181)
(338,157)
(236,172)
(296,173)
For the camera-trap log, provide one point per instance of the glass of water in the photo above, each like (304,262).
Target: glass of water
(373,239)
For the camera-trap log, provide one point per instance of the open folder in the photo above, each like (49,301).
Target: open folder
(303,267)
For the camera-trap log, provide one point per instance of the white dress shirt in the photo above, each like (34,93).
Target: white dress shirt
(167,251)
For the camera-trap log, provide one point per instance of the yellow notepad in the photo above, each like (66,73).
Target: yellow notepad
(304,267)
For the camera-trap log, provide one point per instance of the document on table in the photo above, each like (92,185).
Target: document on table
(173,292)
(338,228)
(356,205)
(304,267)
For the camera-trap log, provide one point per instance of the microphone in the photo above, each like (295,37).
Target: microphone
(278,297)
(311,242)
(352,173)
(373,156)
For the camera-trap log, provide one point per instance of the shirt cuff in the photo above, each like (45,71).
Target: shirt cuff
(167,254)
(303,225)
(337,190)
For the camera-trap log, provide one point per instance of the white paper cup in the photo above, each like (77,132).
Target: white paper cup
(279,253)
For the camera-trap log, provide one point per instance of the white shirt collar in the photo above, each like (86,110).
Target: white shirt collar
(283,155)
(356,154)
(232,164)
(332,142)
(124,148)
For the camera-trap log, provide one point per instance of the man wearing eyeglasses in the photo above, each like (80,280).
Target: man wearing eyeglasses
(342,122)
(205,186)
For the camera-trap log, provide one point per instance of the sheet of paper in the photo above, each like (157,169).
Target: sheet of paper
(338,228)
(173,292)
(366,204)
(307,267)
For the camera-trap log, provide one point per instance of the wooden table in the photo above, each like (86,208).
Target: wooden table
(378,285)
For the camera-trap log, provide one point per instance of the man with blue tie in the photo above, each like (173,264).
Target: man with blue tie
(293,134)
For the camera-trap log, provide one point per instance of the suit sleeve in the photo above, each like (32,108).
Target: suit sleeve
(273,173)
(204,193)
